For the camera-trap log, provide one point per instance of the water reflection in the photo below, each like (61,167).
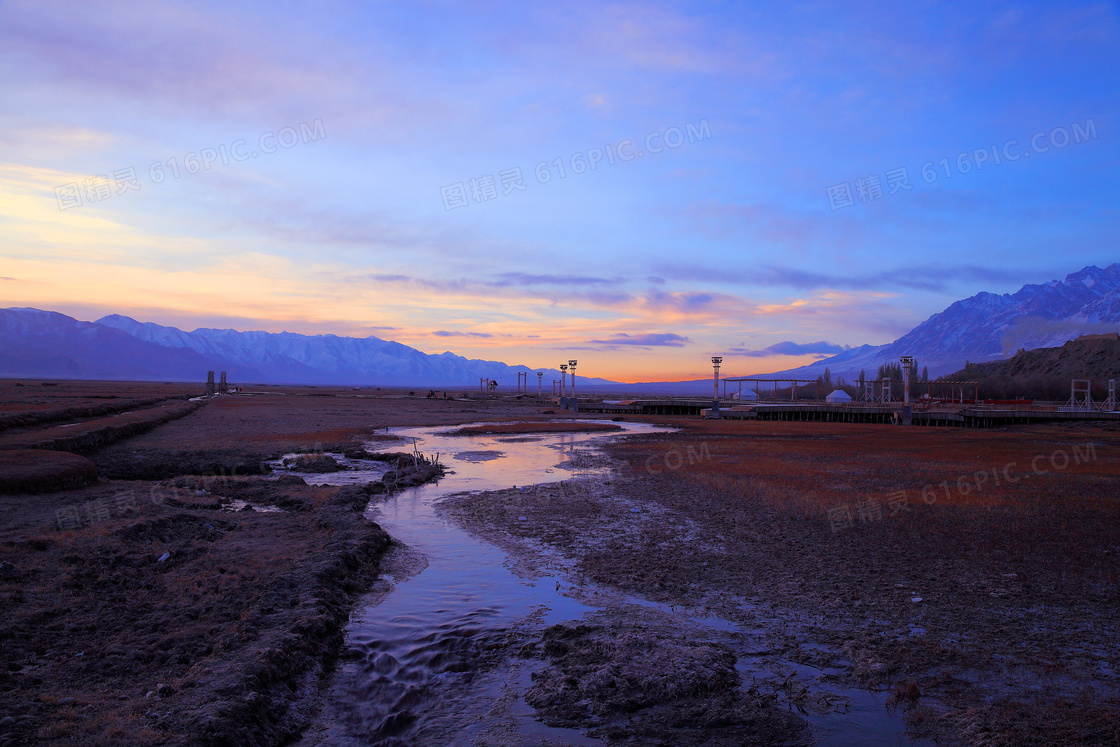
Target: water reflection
(422,668)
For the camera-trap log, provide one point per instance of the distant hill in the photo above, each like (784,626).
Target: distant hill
(46,344)
(1045,373)
(987,326)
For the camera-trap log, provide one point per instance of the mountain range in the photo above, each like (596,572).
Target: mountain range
(46,344)
(984,327)
(988,327)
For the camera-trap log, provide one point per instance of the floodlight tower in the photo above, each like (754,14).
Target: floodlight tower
(907,362)
(563,379)
(572,366)
(540,374)
(716,360)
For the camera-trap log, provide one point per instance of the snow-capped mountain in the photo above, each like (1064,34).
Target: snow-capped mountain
(988,327)
(48,344)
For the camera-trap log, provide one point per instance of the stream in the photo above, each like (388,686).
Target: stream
(431,654)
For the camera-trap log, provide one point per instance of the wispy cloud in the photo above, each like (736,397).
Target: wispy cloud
(916,277)
(525,279)
(446,333)
(647,340)
(787,347)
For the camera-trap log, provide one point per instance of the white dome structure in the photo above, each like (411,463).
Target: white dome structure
(838,396)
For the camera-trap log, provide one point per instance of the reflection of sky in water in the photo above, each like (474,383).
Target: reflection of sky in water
(410,516)
(464,593)
(526,459)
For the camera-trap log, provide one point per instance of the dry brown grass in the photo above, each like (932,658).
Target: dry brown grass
(1020,582)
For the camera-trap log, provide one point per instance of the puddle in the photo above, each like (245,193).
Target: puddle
(236,504)
(428,659)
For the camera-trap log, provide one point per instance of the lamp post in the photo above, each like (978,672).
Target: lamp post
(539,375)
(563,383)
(716,360)
(907,363)
(573,403)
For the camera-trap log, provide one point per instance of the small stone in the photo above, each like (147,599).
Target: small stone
(164,690)
(915,600)
(164,557)
(67,701)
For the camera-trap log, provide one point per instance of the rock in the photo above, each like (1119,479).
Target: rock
(8,572)
(164,691)
(6,721)
(67,701)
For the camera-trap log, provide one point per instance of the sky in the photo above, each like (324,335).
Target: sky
(638,186)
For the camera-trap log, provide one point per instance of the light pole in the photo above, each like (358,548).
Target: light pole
(716,360)
(907,363)
(563,380)
(539,375)
(573,403)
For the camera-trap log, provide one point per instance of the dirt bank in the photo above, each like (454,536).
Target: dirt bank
(90,435)
(141,612)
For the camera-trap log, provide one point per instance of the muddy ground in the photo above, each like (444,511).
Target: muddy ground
(141,609)
(987,613)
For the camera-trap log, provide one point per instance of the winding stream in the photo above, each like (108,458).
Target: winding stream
(424,661)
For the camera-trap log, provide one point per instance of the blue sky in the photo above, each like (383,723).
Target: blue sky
(729,243)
